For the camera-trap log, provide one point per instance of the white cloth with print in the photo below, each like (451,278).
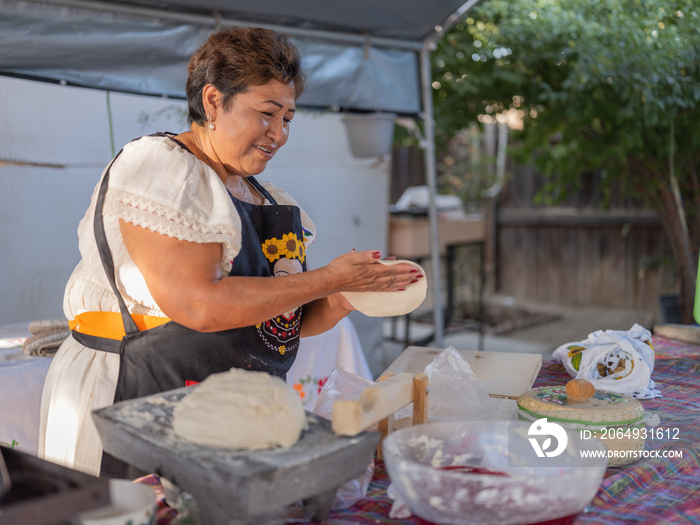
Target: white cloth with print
(157,184)
(614,360)
(319,355)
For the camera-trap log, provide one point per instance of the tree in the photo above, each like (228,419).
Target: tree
(606,86)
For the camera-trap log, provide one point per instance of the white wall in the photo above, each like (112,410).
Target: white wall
(41,205)
(61,136)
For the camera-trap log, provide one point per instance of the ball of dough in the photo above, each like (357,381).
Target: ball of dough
(389,304)
(240,409)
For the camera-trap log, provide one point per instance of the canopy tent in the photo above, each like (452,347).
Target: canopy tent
(368,55)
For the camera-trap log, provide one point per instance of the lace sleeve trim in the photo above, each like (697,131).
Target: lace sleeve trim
(173,223)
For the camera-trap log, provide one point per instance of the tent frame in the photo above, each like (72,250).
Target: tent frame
(422,48)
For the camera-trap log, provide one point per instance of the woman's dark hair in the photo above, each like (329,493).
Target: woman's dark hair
(235,59)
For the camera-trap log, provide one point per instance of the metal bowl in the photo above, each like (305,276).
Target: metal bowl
(505,482)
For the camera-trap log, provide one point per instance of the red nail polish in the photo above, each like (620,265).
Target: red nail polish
(414,281)
(376,255)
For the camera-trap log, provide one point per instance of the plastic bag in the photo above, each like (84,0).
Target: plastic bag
(451,379)
(340,385)
(344,385)
(399,509)
(455,391)
(613,360)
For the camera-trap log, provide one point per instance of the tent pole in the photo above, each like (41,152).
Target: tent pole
(431,180)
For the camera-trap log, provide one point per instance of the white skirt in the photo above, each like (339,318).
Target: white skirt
(79,381)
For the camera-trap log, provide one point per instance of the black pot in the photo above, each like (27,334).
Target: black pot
(670,309)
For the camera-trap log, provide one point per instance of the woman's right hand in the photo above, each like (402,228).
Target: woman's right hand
(363,272)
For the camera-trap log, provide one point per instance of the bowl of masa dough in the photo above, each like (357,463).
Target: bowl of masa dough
(488,473)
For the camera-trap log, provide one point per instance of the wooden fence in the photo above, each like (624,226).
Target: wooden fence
(575,253)
(578,253)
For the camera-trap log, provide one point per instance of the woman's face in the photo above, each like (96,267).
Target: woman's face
(253,127)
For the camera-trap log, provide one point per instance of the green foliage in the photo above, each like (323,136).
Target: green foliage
(598,84)
(10,445)
(465,171)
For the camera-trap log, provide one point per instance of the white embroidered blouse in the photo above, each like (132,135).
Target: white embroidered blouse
(158,184)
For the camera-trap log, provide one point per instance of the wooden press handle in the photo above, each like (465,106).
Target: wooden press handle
(350,417)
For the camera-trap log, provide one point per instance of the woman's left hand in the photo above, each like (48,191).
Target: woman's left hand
(362,272)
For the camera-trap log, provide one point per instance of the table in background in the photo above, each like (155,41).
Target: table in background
(21,385)
(650,491)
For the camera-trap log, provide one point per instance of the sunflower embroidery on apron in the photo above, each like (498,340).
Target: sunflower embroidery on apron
(286,255)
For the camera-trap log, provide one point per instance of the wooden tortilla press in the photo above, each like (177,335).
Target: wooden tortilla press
(378,403)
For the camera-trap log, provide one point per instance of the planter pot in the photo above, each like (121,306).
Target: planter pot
(370,134)
(670,309)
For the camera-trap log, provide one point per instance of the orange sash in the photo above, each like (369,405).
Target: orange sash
(110,325)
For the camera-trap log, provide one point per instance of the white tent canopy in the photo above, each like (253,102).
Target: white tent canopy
(366,55)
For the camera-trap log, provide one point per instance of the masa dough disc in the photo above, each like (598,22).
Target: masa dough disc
(240,409)
(389,304)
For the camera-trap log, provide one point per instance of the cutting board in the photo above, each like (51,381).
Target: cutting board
(234,486)
(501,373)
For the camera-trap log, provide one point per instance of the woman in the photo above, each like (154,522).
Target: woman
(179,247)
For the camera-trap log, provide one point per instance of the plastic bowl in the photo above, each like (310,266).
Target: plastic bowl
(131,504)
(505,487)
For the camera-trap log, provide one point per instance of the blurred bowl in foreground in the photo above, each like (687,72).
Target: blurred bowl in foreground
(131,504)
(502,479)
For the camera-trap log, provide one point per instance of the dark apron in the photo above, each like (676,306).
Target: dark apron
(171,355)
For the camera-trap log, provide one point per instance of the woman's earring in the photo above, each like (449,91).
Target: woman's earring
(211,122)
